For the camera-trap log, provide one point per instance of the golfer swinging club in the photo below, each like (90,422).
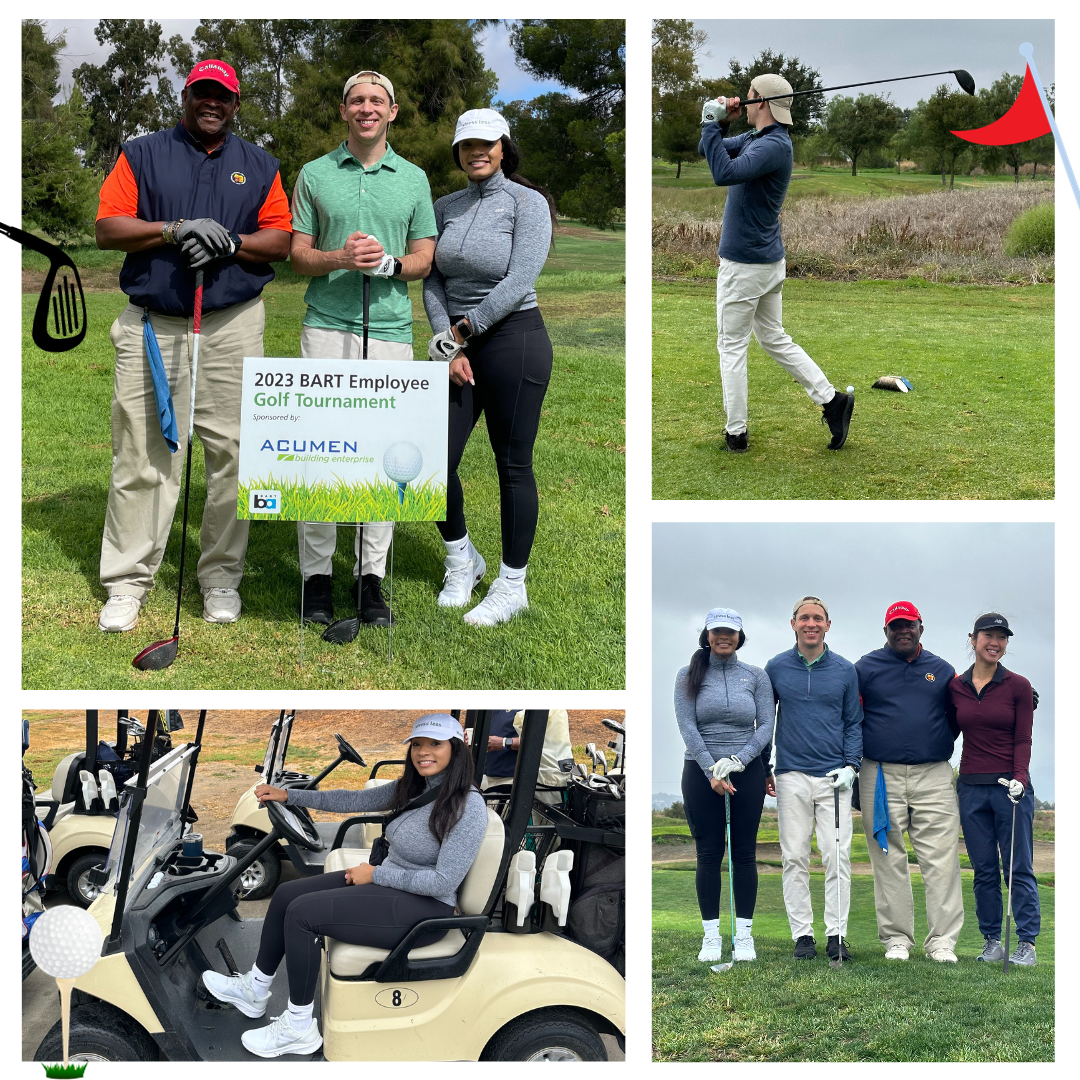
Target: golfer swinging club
(756,167)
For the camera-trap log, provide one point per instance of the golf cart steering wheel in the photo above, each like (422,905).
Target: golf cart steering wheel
(295,827)
(348,753)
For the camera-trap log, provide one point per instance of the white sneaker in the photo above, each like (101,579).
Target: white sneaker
(281,1037)
(899,951)
(943,956)
(743,948)
(220,605)
(120,613)
(463,574)
(503,602)
(236,990)
(711,950)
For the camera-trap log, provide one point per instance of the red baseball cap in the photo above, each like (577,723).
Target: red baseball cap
(216,70)
(902,609)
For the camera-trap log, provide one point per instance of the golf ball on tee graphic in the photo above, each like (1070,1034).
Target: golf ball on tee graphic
(402,462)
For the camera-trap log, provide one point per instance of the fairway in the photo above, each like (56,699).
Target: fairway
(579,463)
(780,1009)
(979,423)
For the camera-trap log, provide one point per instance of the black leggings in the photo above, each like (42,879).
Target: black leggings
(304,909)
(511,366)
(705,815)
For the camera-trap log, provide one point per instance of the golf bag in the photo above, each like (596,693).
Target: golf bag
(36,859)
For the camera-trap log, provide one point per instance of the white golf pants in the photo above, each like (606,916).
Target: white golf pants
(803,802)
(748,300)
(318,540)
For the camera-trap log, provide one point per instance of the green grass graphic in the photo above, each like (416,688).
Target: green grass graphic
(374,501)
(61,1072)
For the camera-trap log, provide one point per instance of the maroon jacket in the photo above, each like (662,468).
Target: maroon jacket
(996,726)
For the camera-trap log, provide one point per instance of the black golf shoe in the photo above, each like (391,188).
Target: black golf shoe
(373,608)
(836,948)
(319,600)
(805,949)
(837,414)
(736,443)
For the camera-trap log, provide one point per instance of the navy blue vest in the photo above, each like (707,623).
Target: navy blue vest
(177,178)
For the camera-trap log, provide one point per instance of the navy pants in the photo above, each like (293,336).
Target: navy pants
(986,818)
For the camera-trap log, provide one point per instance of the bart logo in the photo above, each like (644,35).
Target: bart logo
(929,676)
(238,178)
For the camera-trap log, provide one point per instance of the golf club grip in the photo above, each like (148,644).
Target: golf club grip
(198,300)
(836,806)
(196,330)
(367,309)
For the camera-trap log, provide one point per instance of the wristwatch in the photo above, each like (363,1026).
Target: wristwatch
(397,268)
(508,744)
(464,329)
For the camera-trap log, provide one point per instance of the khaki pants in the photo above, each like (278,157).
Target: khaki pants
(146,477)
(318,540)
(921,801)
(803,802)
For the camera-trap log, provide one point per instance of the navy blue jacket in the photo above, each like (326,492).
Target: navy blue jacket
(177,178)
(502,762)
(819,721)
(756,167)
(908,715)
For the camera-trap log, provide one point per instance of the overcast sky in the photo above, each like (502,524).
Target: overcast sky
(850,50)
(82,48)
(951,572)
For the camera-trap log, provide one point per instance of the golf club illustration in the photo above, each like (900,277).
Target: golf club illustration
(402,462)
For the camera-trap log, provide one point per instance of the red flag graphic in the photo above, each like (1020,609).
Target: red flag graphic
(1026,119)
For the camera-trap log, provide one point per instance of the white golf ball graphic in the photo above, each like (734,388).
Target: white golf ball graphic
(65,942)
(402,462)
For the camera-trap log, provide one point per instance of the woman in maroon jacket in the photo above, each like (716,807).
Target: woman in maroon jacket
(994,709)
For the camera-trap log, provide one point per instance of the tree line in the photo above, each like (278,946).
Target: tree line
(867,130)
(291,72)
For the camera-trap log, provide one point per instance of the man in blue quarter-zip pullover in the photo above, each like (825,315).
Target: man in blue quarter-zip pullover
(818,748)
(909,727)
(756,169)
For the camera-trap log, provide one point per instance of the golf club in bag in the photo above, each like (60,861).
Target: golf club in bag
(839,961)
(162,653)
(1008,908)
(967,84)
(730,884)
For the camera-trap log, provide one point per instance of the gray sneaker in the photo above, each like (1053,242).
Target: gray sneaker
(992,952)
(1023,955)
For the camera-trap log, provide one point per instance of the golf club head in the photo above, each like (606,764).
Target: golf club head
(343,631)
(721,968)
(158,655)
(836,964)
(967,83)
(60,318)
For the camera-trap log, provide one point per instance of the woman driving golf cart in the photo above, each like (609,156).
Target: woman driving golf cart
(439,820)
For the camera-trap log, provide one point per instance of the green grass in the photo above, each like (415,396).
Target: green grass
(63,1072)
(978,425)
(359,501)
(780,1009)
(579,462)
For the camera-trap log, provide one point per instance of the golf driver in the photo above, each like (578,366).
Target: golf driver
(839,961)
(1008,908)
(342,631)
(162,653)
(967,84)
(720,968)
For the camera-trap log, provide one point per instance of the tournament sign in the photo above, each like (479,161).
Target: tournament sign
(343,440)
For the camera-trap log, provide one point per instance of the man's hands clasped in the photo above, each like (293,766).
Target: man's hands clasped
(204,240)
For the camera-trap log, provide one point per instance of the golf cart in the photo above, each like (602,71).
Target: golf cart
(79,810)
(505,982)
(251,823)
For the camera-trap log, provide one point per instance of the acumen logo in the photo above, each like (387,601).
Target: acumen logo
(264,502)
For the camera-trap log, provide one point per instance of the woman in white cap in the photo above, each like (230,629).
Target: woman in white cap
(431,848)
(725,711)
(494,237)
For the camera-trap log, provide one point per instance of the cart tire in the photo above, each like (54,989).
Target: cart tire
(546,1035)
(99,1032)
(79,888)
(261,878)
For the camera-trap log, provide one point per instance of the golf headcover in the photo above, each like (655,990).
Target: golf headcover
(712,112)
(443,346)
(892,382)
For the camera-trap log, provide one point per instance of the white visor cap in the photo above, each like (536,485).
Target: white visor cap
(485,124)
(723,618)
(439,726)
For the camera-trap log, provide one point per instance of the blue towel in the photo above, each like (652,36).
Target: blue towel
(881,811)
(162,394)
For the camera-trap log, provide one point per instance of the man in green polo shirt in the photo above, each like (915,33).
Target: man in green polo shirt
(358,210)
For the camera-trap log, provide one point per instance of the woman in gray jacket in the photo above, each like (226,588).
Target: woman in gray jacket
(494,237)
(431,850)
(725,711)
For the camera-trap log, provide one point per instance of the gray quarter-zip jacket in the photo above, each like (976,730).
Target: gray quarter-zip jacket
(494,238)
(732,714)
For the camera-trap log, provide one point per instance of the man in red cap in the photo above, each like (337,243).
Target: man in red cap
(189,198)
(909,728)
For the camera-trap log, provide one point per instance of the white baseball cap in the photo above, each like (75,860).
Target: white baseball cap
(437,725)
(723,617)
(486,124)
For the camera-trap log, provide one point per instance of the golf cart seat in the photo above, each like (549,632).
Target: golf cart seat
(354,960)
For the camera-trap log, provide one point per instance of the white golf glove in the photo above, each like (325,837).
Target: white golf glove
(385,268)
(443,346)
(842,778)
(1016,789)
(712,112)
(726,766)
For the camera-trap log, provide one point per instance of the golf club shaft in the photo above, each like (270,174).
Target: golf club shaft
(367,309)
(846,86)
(730,878)
(839,912)
(1008,906)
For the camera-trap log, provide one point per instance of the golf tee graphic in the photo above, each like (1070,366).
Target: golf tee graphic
(1029,117)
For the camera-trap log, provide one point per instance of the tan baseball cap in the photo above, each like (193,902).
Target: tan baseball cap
(807,599)
(767,86)
(375,78)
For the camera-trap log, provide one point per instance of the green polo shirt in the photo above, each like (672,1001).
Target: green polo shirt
(811,663)
(336,196)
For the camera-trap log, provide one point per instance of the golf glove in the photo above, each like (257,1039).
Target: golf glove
(726,766)
(443,346)
(1016,789)
(842,778)
(385,268)
(713,112)
(212,236)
